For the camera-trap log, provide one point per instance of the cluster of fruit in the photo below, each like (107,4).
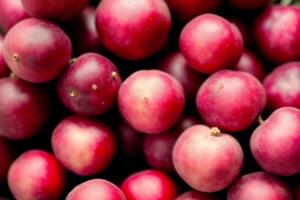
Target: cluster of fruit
(149,100)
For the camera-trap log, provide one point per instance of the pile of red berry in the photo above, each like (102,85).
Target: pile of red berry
(149,100)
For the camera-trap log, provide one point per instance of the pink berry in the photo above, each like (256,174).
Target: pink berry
(206,159)
(249,4)
(24,108)
(176,65)
(36,175)
(210,43)
(52,9)
(151,101)
(231,100)
(186,10)
(259,186)
(277,32)
(6,158)
(149,184)
(196,195)
(84,146)
(4,70)
(282,86)
(96,189)
(275,143)
(84,33)
(12,11)
(133,30)
(90,85)
(36,50)
(250,63)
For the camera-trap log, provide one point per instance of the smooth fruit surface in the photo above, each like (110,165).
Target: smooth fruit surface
(36,175)
(186,10)
(24,108)
(96,189)
(276,33)
(90,85)
(12,11)
(220,45)
(52,9)
(4,70)
(281,134)
(282,86)
(149,184)
(84,146)
(151,101)
(230,100)
(206,159)
(259,186)
(133,30)
(36,50)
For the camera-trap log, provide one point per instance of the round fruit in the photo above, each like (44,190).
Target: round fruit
(210,43)
(133,30)
(196,195)
(12,11)
(231,100)
(52,9)
(259,186)
(206,159)
(84,146)
(280,133)
(4,70)
(6,158)
(186,10)
(249,4)
(176,65)
(282,86)
(149,184)
(24,108)
(250,63)
(277,32)
(36,175)
(90,85)
(96,189)
(36,50)
(151,101)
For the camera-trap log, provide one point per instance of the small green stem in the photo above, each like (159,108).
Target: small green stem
(286,2)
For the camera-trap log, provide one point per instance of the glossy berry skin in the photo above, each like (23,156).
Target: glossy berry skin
(230,100)
(282,86)
(250,63)
(149,184)
(196,195)
(133,30)
(36,175)
(24,103)
(84,146)
(176,65)
(84,33)
(6,158)
(220,45)
(36,50)
(186,10)
(259,186)
(158,148)
(203,156)
(90,85)
(56,10)
(96,189)
(281,134)
(4,70)
(12,11)
(129,140)
(276,32)
(249,4)
(151,101)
